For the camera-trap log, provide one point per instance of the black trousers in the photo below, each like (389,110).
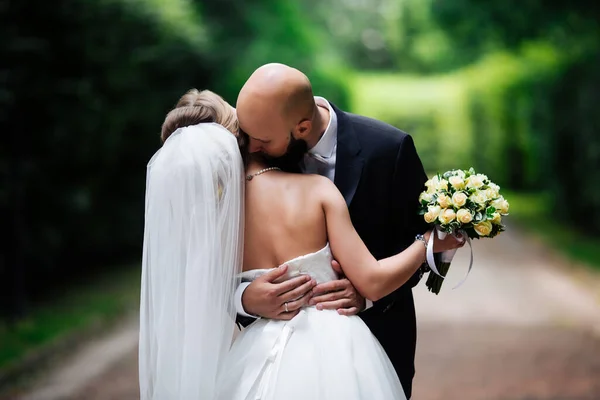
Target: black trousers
(393,322)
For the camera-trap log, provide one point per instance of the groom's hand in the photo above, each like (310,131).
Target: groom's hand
(266,298)
(338,295)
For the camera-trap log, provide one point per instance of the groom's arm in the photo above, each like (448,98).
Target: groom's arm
(264,297)
(243,319)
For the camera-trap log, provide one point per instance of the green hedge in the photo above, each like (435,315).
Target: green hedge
(540,131)
(84,87)
(527,120)
(246,35)
(575,144)
(508,111)
(83,97)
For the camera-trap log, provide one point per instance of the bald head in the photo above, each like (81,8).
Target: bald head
(280,89)
(273,103)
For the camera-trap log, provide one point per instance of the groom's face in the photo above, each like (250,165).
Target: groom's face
(267,134)
(295,151)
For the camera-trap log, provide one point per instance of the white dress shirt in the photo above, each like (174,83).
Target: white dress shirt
(319,160)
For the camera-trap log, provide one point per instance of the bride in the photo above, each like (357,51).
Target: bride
(215,215)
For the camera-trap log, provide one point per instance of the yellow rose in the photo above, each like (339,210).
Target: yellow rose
(432,214)
(475,181)
(459,199)
(464,216)
(483,228)
(501,205)
(444,201)
(479,198)
(457,182)
(496,218)
(446,216)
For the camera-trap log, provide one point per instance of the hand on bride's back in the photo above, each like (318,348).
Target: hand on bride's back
(267,298)
(450,242)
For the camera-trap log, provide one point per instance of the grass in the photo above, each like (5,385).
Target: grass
(97,302)
(532,212)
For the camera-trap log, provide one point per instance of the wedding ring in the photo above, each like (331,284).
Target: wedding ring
(286,309)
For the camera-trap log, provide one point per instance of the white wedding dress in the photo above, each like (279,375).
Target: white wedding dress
(317,355)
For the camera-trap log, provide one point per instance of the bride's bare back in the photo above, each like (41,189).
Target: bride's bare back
(284,219)
(290,215)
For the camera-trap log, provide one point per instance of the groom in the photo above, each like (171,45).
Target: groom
(378,171)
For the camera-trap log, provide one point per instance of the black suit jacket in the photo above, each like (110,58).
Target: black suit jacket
(381,176)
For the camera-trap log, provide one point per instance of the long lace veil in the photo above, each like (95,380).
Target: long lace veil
(193,242)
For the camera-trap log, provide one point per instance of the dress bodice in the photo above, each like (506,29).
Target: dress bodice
(317,265)
(317,354)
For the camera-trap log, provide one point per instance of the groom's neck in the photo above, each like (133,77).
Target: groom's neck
(320,122)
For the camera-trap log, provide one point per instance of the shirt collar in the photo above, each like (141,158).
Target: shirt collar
(325,147)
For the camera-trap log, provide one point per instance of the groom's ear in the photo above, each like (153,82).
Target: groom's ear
(303,128)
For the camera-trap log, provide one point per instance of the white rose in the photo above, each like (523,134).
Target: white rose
(490,193)
(430,185)
(446,216)
(457,182)
(474,181)
(425,196)
(483,228)
(441,184)
(479,198)
(464,216)
(459,172)
(459,199)
(444,201)
(494,189)
(501,205)
(505,207)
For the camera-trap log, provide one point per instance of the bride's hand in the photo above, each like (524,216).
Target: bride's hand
(450,242)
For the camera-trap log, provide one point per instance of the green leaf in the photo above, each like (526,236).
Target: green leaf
(478,217)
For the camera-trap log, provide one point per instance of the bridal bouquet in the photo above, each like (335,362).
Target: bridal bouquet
(461,203)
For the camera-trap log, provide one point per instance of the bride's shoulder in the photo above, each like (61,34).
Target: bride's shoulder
(314,184)
(318,181)
(323,189)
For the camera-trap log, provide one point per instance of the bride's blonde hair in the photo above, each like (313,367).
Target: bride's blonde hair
(196,107)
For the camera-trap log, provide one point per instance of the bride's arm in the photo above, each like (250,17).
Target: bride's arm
(373,279)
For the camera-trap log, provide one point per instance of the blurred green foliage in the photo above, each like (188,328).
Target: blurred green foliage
(84,87)
(97,301)
(508,87)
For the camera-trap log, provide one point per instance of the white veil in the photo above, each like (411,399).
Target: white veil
(193,242)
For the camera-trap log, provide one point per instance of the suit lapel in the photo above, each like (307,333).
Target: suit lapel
(349,163)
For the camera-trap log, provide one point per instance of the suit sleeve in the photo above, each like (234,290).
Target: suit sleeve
(243,319)
(408,183)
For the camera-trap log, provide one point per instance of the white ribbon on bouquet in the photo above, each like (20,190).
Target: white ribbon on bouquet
(447,256)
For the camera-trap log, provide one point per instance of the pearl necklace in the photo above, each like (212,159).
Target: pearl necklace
(262,171)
